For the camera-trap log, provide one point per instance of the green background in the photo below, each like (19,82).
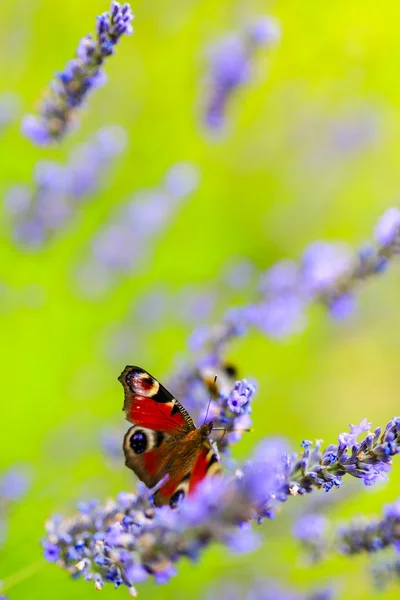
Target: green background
(276,181)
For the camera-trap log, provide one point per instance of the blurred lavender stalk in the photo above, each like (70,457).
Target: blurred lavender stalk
(126,540)
(69,89)
(38,214)
(362,535)
(122,244)
(231,67)
(328,274)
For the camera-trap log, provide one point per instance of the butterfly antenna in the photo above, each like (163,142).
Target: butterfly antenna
(209,402)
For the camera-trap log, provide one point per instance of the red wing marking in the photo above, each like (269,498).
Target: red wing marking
(203,462)
(151,461)
(154,415)
(168,488)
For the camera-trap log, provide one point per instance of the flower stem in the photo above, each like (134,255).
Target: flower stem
(22,575)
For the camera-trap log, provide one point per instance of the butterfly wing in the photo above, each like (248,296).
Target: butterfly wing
(206,463)
(153,446)
(149,404)
(186,477)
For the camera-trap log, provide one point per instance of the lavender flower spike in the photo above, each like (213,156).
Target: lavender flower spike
(82,74)
(37,213)
(126,540)
(328,274)
(362,535)
(231,67)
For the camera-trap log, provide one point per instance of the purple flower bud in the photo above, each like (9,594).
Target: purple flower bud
(388,227)
(51,552)
(265,31)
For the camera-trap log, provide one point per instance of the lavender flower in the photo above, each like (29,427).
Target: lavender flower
(311,530)
(231,67)
(370,535)
(13,484)
(327,274)
(388,227)
(111,444)
(82,74)
(37,214)
(362,535)
(128,539)
(231,412)
(123,243)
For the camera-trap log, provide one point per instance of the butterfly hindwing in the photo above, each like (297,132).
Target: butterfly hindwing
(150,404)
(206,464)
(145,454)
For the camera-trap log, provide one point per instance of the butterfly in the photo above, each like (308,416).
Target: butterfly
(164,439)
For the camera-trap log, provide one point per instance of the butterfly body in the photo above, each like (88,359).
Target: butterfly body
(164,439)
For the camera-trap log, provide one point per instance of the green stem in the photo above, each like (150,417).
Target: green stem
(20,576)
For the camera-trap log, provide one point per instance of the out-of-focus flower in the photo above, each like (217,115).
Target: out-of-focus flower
(387,231)
(362,535)
(14,484)
(311,530)
(231,66)
(370,535)
(81,75)
(328,274)
(123,243)
(323,265)
(37,214)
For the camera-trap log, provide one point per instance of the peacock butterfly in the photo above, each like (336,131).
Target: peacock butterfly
(164,439)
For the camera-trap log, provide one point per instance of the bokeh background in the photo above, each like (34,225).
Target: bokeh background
(311,152)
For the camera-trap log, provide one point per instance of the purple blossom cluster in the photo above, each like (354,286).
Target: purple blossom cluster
(231,67)
(371,535)
(67,92)
(129,539)
(125,241)
(37,213)
(327,273)
(230,412)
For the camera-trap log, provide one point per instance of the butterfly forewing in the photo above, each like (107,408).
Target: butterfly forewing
(150,404)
